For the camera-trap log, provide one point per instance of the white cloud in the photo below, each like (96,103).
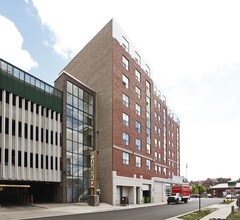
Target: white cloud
(11,48)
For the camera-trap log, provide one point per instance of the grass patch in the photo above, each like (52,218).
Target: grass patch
(236,215)
(227,201)
(197,214)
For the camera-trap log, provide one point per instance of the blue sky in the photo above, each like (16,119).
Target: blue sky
(193,49)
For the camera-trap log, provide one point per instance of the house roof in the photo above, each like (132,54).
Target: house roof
(225,186)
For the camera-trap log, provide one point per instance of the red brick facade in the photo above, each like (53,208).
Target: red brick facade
(118,126)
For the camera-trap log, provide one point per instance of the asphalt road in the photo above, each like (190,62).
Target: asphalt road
(160,212)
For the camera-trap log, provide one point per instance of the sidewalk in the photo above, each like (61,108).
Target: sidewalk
(49,210)
(222,212)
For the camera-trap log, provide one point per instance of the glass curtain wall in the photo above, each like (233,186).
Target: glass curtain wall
(79,142)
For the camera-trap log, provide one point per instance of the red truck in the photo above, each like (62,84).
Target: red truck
(180,193)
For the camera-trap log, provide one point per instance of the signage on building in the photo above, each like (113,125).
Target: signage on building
(92,163)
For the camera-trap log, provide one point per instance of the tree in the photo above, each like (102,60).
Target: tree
(198,189)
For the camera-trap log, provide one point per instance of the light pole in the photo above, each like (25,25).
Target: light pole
(199,198)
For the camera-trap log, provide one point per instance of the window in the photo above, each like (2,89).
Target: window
(159,118)
(147,70)
(159,144)
(125,119)
(155,128)
(138,92)
(137,58)
(138,75)
(156,142)
(138,109)
(148,88)
(156,168)
(126,100)
(138,144)
(159,157)
(138,161)
(125,62)
(125,138)
(156,155)
(125,158)
(155,103)
(125,81)
(148,149)
(159,131)
(148,164)
(155,115)
(125,44)
(138,126)
(164,171)
(159,106)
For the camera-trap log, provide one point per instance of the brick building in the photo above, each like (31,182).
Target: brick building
(137,135)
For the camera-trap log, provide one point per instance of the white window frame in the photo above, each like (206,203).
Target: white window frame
(138,92)
(138,161)
(138,126)
(137,75)
(125,119)
(148,164)
(125,100)
(125,138)
(125,62)
(138,109)
(126,158)
(125,81)
(125,44)
(138,147)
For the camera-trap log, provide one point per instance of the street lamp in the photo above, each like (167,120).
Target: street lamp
(199,188)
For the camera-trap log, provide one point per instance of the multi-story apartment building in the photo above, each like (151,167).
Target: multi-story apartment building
(138,136)
(104,105)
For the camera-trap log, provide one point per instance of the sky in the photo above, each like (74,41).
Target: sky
(192,47)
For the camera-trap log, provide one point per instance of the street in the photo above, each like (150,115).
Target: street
(161,212)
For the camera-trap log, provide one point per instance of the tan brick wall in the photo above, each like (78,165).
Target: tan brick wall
(93,66)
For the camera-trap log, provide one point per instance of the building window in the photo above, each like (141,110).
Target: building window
(138,109)
(125,62)
(126,158)
(159,118)
(156,142)
(138,161)
(159,157)
(156,168)
(148,88)
(147,70)
(159,144)
(159,131)
(125,138)
(137,75)
(156,155)
(125,44)
(138,144)
(148,164)
(126,100)
(138,126)
(137,58)
(125,81)
(138,92)
(148,149)
(125,119)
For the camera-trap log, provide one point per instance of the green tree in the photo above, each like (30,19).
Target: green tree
(198,189)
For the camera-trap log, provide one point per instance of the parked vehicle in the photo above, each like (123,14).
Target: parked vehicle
(179,194)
